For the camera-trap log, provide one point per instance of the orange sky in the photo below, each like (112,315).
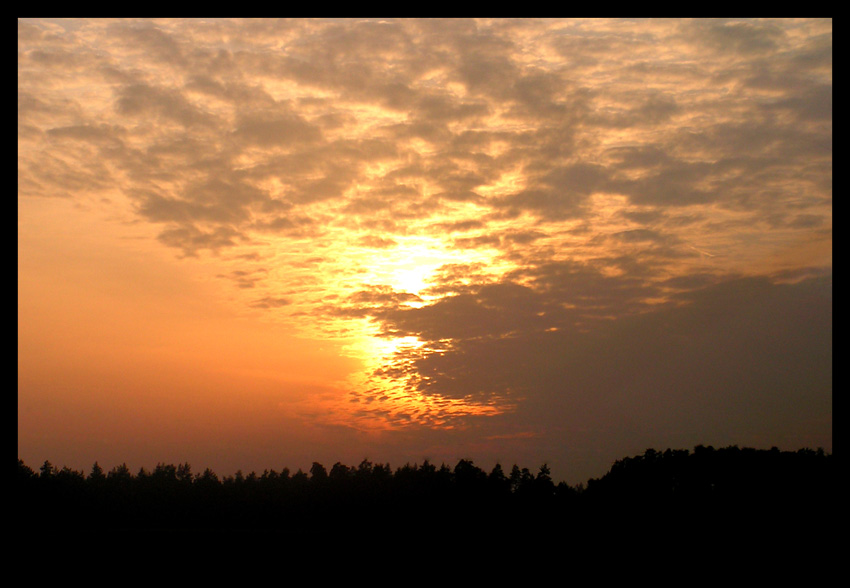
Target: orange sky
(257,244)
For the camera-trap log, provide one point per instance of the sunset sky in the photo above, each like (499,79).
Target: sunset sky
(255,244)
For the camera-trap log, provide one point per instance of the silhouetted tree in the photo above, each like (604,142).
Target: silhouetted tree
(207,478)
(469,478)
(544,487)
(121,472)
(318,473)
(184,473)
(340,472)
(299,479)
(427,468)
(25,473)
(522,481)
(69,475)
(498,482)
(515,478)
(673,490)
(47,470)
(165,473)
(96,474)
(364,469)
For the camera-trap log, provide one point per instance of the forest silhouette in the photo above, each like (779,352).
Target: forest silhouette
(655,492)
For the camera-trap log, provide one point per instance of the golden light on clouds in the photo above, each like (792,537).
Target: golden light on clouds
(429,232)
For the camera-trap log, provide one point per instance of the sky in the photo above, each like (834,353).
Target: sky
(256,244)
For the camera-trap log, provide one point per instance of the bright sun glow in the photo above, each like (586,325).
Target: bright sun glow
(407,267)
(388,382)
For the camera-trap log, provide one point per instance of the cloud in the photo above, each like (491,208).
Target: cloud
(270,131)
(192,240)
(141,99)
(268,302)
(737,37)
(153,41)
(463,89)
(376,242)
(742,359)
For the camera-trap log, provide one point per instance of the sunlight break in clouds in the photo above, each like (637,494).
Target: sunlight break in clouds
(459,210)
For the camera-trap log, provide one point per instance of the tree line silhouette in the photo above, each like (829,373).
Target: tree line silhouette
(673,487)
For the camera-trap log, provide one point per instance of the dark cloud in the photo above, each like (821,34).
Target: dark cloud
(248,279)
(376,242)
(640,235)
(559,193)
(192,240)
(140,100)
(268,302)
(371,302)
(736,36)
(552,296)
(657,108)
(153,41)
(57,58)
(275,131)
(491,311)
(477,242)
(742,359)
(96,134)
(437,109)
(639,157)
(523,237)
(459,226)
(214,201)
(812,103)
